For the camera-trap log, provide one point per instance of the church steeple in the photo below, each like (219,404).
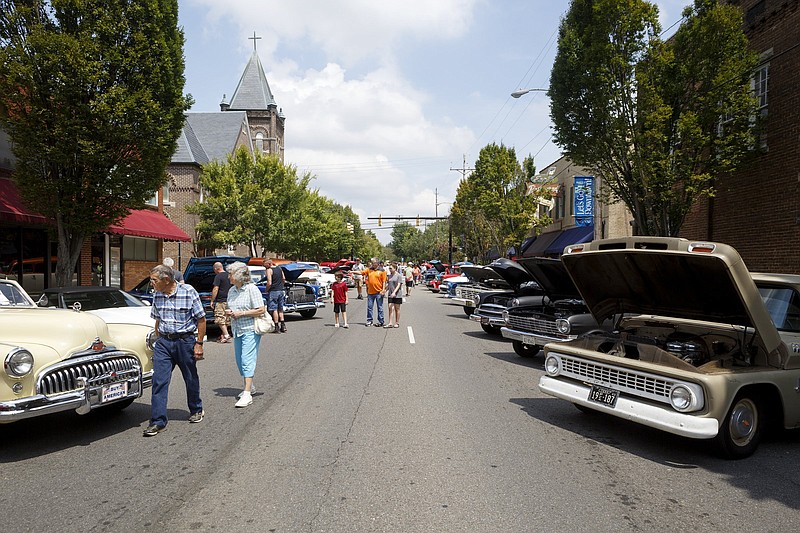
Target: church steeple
(253,92)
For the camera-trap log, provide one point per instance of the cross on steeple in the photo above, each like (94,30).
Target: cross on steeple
(254,39)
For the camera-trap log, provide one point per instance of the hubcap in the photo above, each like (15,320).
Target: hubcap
(744,421)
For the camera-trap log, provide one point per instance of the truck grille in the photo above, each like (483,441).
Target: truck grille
(534,325)
(491,310)
(64,378)
(631,382)
(467,293)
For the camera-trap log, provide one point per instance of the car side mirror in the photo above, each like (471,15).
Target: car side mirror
(43,301)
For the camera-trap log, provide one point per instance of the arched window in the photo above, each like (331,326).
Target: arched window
(260,141)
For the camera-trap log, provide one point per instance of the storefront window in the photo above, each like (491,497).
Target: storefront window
(139,249)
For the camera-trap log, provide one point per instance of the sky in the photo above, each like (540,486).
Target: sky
(387,102)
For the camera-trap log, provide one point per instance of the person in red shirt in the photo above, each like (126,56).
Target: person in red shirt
(340,299)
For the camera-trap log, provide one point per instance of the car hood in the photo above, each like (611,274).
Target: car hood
(293,271)
(66,331)
(126,315)
(204,265)
(439,266)
(710,287)
(480,274)
(551,276)
(511,271)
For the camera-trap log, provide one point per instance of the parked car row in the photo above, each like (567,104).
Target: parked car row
(665,332)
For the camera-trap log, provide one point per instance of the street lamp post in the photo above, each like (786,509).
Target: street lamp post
(520,92)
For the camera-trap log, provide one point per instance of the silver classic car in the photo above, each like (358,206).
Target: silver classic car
(483,280)
(60,360)
(702,348)
(524,291)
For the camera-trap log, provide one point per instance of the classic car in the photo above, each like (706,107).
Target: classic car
(59,360)
(490,307)
(561,316)
(314,275)
(483,280)
(702,348)
(303,298)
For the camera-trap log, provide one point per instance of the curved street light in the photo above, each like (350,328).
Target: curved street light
(520,92)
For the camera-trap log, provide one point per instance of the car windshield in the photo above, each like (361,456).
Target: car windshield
(257,273)
(91,300)
(783,305)
(12,296)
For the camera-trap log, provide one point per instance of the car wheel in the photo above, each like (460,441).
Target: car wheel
(468,310)
(525,350)
(309,313)
(740,432)
(491,330)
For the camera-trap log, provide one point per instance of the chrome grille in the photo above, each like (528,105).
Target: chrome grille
(64,377)
(534,325)
(627,381)
(491,310)
(467,293)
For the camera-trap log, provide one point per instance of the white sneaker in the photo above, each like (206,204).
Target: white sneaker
(336,325)
(252,391)
(245,400)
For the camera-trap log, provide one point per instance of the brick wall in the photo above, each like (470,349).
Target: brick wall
(757,209)
(135,271)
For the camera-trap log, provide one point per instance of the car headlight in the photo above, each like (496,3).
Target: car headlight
(505,316)
(514,302)
(563,326)
(686,397)
(552,365)
(18,363)
(476,300)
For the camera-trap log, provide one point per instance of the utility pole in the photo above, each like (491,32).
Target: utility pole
(463,170)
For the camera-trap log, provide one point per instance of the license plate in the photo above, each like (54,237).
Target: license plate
(603,396)
(529,340)
(484,320)
(109,393)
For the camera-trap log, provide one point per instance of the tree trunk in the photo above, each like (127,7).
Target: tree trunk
(69,250)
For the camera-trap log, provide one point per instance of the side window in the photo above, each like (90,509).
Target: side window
(783,304)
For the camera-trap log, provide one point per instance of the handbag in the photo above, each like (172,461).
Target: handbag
(264,324)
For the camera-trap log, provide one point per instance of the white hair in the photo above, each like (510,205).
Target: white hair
(168,261)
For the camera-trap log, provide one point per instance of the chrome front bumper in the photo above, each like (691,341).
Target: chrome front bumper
(533,339)
(630,408)
(490,320)
(466,302)
(81,400)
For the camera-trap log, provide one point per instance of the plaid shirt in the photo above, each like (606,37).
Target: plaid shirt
(179,312)
(248,297)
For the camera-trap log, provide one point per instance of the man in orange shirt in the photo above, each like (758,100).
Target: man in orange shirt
(375,280)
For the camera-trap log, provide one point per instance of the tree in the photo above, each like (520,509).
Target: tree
(402,235)
(658,121)
(91,97)
(492,207)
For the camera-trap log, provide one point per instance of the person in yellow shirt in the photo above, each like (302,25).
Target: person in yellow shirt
(375,281)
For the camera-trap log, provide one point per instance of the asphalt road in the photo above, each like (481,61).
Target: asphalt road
(431,427)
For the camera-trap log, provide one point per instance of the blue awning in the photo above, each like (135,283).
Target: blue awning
(538,247)
(576,235)
(527,242)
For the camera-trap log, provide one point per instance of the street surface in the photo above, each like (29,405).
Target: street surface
(431,427)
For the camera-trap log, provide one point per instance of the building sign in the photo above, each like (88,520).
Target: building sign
(584,200)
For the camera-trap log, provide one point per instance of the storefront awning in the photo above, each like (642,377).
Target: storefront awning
(11,207)
(149,223)
(577,235)
(538,247)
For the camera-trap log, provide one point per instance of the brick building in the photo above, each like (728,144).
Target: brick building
(757,209)
(251,119)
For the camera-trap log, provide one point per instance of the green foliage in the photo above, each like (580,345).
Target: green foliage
(492,207)
(645,114)
(91,95)
(258,201)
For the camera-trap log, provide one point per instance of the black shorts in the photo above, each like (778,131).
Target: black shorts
(410,283)
(397,301)
(339,308)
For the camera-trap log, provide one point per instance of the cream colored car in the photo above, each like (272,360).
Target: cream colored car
(61,360)
(703,349)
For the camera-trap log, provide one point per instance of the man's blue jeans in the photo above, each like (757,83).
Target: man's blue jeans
(377,297)
(167,354)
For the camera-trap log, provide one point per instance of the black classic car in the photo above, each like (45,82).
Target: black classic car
(491,306)
(483,281)
(561,316)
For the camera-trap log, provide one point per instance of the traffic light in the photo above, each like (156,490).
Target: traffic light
(379,221)
(417,220)
(349,227)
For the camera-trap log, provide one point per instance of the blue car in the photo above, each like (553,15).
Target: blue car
(300,297)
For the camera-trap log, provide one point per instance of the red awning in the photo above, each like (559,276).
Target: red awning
(149,223)
(11,207)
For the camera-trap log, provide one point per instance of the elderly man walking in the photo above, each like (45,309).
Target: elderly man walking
(181,327)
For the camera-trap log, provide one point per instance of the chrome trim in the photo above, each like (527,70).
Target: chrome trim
(11,353)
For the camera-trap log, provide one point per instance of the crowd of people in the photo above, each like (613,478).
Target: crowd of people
(180,321)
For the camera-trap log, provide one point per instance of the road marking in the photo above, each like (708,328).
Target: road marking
(411,335)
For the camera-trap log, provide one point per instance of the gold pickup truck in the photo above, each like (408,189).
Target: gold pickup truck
(702,347)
